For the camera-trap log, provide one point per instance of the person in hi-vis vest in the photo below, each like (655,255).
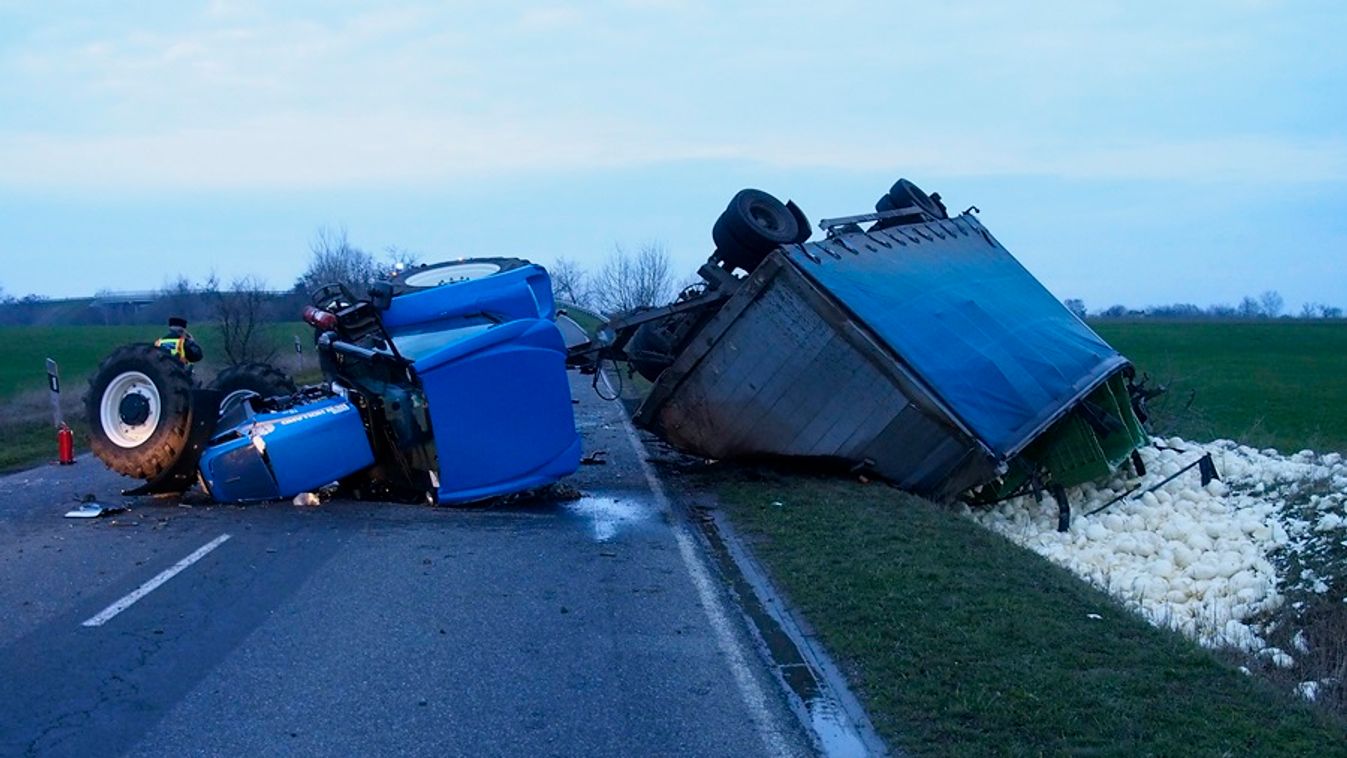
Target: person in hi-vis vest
(179,342)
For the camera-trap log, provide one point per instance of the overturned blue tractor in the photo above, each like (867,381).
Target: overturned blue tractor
(437,387)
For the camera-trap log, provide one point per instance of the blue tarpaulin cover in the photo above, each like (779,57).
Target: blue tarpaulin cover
(977,328)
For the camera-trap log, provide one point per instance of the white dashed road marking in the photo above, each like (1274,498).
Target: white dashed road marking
(109,612)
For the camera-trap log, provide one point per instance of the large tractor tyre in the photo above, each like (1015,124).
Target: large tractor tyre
(139,409)
(246,379)
(449,272)
(753,225)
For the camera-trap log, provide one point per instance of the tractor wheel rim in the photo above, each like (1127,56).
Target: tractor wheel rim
(119,389)
(233,398)
(455,272)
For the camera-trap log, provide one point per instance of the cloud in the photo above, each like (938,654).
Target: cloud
(311,151)
(1217,159)
(314,151)
(238,95)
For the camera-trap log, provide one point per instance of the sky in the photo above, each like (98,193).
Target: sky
(1131,152)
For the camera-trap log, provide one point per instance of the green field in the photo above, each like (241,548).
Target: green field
(24,350)
(1279,384)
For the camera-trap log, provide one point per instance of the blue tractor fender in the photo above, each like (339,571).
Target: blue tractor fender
(500,410)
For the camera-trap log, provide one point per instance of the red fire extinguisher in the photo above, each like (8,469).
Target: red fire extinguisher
(65,443)
(65,439)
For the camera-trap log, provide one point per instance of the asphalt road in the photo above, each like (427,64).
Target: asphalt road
(591,627)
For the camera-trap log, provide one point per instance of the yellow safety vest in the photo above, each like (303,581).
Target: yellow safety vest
(177,347)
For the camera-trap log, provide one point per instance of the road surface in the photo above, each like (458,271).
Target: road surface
(589,627)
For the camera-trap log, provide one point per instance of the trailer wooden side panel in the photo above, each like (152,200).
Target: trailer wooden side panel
(782,370)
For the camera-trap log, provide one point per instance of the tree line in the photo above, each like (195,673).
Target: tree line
(1268,305)
(241,308)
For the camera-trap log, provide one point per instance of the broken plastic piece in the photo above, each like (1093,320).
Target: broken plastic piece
(94,509)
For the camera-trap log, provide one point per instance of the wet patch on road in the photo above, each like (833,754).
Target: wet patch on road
(609,516)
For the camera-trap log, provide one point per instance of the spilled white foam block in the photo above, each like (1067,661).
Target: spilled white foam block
(1194,558)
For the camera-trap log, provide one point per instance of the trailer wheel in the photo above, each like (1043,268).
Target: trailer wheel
(754,224)
(247,379)
(436,274)
(139,409)
(904,193)
(651,350)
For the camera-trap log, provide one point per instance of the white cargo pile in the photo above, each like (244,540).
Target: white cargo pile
(1198,559)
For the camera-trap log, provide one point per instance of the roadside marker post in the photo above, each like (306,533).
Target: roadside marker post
(65,439)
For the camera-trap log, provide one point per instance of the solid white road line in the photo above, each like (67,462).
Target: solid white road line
(749,689)
(112,610)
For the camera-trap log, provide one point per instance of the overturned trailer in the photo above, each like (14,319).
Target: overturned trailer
(919,350)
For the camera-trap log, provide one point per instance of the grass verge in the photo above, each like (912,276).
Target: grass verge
(962,643)
(26,444)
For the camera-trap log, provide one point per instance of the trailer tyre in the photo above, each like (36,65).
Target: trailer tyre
(448,272)
(754,224)
(139,409)
(905,194)
(651,350)
(245,379)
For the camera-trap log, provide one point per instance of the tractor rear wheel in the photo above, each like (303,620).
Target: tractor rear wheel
(449,272)
(139,409)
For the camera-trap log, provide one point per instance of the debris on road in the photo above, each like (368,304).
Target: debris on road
(307,499)
(94,509)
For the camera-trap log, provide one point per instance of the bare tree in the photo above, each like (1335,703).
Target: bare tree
(1250,308)
(400,257)
(1076,306)
(1272,303)
(180,297)
(630,280)
(569,282)
(334,260)
(240,317)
